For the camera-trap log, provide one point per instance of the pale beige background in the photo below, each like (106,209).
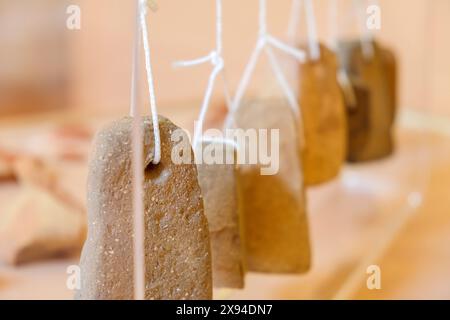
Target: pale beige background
(418,30)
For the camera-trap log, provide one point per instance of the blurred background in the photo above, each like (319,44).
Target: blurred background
(58,85)
(90,68)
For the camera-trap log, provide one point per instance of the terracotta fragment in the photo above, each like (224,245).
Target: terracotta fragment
(38,226)
(44,220)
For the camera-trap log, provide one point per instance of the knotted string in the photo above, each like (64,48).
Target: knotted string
(265,43)
(141,27)
(216,59)
(150,81)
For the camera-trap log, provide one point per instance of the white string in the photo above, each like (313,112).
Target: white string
(216,59)
(150,81)
(312,31)
(294,21)
(137,164)
(265,40)
(248,71)
(230,142)
(298,55)
(291,97)
(366,35)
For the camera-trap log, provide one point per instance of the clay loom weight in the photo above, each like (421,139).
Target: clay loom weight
(389,62)
(275,221)
(378,75)
(221,198)
(356,97)
(177,256)
(323,117)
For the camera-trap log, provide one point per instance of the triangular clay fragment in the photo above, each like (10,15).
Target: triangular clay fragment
(38,226)
(221,197)
(177,247)
(378,75)
(275,221)
(323,117)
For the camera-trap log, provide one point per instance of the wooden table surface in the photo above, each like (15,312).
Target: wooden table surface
(393,213)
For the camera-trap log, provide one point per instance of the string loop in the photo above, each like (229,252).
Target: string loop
(366,36)
(217,61)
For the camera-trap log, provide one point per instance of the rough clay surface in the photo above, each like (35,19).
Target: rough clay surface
(275,222)
(177,256)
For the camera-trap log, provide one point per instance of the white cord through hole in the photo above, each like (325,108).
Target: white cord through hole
(150,81)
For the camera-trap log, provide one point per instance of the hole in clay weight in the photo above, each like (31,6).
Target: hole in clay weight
(153,171)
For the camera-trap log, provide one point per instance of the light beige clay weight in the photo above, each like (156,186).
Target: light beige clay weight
(221,198)
(275,222)
(177,247)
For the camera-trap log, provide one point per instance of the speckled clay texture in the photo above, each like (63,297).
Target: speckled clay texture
(177,247)
(378,75)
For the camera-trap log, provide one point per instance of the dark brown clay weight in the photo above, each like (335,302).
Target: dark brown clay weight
(377,75)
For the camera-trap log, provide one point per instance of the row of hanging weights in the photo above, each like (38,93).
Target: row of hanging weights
(348,106)
(206,225)
(256,222)
(370,90)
